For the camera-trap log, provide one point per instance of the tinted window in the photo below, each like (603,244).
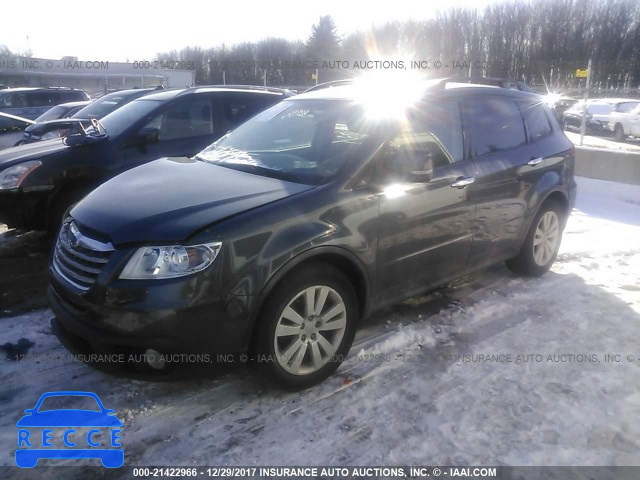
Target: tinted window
(536,119)
(14,100)
(42,99)
(239,107)
(431,138)
(442,121)
(185,119)
(117,122)
(494,124)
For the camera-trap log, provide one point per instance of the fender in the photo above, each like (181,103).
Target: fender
(549,184)
(310,254)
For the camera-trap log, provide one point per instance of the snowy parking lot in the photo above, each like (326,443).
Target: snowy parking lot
(493,369)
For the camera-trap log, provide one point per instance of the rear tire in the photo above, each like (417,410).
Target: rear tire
(307,327)
(618,133)
(541,244)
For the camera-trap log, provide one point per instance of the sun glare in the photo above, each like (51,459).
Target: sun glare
(389,94)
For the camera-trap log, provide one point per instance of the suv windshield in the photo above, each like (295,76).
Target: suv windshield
(103,106)
(119,120)
(302,141)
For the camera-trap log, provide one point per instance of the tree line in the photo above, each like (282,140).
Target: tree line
(538,42)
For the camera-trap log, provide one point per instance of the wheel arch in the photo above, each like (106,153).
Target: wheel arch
(339,258)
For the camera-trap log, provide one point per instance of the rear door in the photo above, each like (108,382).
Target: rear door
(425,222)
(507,168)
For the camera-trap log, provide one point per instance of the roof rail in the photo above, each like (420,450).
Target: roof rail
(334,83)
(244,87)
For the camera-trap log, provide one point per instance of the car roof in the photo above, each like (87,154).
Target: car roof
(171,93)
(34,89)
(349,91)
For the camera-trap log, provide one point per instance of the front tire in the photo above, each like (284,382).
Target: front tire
(307,327)
(542,242)
(618,133)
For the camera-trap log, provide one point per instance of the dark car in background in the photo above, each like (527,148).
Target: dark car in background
(39,181)
(11,129)
(561,105)
(63,110)
(60,127)
(281,235)
(32,102)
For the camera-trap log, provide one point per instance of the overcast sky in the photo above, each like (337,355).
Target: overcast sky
(118,30)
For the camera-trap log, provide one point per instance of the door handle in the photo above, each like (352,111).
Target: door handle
(463,182)
(534,161)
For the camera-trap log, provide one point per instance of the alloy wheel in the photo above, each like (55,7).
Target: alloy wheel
(310,330)
(545,239)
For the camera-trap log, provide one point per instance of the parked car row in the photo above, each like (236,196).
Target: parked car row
(80,119)
(599,114)
(39,181)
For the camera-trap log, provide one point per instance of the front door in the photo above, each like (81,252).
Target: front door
(426,217)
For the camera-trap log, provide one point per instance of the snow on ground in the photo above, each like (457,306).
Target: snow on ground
(607,143)
(494,369)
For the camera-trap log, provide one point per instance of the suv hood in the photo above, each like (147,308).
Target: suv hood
(169,199)
(30,151)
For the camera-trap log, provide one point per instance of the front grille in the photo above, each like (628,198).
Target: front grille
(79,259)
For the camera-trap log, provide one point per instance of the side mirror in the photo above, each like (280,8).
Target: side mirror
(147,136)
(75,140)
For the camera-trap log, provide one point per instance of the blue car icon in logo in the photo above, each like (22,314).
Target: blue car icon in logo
(73,429)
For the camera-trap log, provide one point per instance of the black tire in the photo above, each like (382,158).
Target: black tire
(266,357)
(525,262)
(618,133)
(62,204)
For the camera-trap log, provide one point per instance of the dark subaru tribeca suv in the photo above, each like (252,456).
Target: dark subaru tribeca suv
(280,236)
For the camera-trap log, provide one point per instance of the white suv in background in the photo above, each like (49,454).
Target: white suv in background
(624,124)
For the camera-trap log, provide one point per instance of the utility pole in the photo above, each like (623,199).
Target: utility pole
(583,124)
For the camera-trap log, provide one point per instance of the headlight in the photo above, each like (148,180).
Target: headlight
(170,261)
(12,177)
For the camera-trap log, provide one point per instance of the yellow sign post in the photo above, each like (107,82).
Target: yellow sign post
(581,73)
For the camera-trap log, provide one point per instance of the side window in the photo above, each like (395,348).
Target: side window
(494,124)
(431,139)
(42,99)
(536,120)
(186,119)
(240,107)
(626,107)
(14,100)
